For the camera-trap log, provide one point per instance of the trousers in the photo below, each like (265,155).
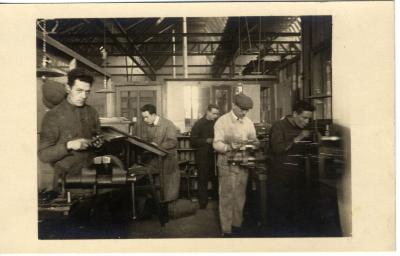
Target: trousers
(232,195)
(206,167)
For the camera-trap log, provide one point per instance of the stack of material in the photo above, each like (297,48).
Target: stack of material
(182,208)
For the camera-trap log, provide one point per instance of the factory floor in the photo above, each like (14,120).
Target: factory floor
(186,227)
(204,223)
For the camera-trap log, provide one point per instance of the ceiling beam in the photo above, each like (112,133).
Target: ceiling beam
(59,46)
(196,53)
(106,27)
(223,59)
(252,35)
(150,71)
(178,42)
(135,24)
(205,74)
(167,66)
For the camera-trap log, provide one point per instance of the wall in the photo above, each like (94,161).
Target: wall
(45,171)
(286,91)
(175,98)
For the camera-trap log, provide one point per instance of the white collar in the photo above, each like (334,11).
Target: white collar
(234,116)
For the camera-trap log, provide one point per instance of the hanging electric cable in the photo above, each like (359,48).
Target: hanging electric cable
(104,56)
(45,71)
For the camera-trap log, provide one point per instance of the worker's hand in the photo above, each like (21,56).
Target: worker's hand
(236,145)
(78,144)
(97,141)
(256,144)
(209,140)
(303,134)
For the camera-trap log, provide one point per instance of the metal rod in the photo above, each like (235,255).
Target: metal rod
(133,201)
(184,39)
(173,56)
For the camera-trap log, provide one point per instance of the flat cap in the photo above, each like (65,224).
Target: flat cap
(243,101)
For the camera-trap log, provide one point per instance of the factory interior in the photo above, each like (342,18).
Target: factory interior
(181,65)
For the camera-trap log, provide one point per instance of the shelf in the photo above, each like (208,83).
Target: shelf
(186,149)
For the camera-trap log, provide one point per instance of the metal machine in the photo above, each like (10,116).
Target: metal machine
(122,162)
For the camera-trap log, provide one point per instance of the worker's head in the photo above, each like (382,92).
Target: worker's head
(212,112)
(302,113)
(78,87)
(241,105)
(149,113)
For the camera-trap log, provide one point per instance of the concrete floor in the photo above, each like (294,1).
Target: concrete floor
(192,226)
(204,223)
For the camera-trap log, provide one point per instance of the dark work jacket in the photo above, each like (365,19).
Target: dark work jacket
(64,123)
(202,130)
(164,135)
(283,152)
(204,156)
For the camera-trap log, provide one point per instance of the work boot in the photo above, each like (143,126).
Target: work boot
(236,231)
(203,205)
(226,235)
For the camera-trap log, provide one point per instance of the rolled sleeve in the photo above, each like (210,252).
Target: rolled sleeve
(219,137)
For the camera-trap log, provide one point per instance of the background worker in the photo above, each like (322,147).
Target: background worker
(201,138)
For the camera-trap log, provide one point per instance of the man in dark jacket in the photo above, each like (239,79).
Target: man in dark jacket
(68,129)
(201,138)
(286,179)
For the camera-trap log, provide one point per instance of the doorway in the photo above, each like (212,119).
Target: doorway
(131,99)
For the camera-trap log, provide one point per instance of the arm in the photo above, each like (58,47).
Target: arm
(195,139)
(51,149)
(252,134)
(219,143)
(170,141)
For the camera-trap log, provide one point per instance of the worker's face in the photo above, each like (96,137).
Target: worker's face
(302,119)
(212,114)
(148,118)
(240,113)
(78,93)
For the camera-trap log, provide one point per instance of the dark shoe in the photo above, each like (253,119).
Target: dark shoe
(203,206)
(226,235)
(236,231)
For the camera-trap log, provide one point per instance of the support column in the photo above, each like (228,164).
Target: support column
(184,40)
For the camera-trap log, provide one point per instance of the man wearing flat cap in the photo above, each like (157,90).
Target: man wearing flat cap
(232,131)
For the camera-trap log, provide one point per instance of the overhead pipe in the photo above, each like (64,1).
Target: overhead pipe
(184,40)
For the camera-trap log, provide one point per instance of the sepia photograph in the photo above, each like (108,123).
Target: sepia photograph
(181,121)
(203,127)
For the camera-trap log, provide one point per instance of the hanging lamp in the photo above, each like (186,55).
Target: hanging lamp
(107,83)
(45,71)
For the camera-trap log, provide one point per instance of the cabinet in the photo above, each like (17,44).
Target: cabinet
(189,171)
